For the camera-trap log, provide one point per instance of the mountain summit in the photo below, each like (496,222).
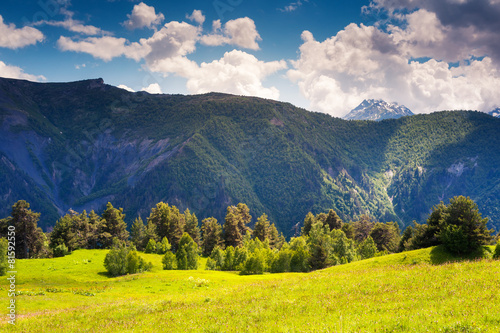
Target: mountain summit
(377,109)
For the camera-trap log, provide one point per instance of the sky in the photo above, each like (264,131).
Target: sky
(325,56)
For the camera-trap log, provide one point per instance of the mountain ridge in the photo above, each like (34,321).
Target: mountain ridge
(79,145)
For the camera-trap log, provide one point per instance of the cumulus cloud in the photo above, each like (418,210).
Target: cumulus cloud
(124,87)
(197,16)
(174,39)
(167,50)
(237,72)
(469,27)
(14,38)
(15,72)
(153,88)
(363,62)
(241,32)
(143,16)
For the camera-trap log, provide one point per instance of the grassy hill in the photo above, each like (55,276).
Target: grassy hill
(81,144)
(407,292)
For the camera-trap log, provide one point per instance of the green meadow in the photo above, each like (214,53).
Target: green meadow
(416,291)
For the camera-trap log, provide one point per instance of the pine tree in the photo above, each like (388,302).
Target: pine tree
(308,222)
(29,237)
(114,224)
(232,234)
(211,235)
(261,230)
(137,233)
(192,227)
(244,218)
(333,220)
(187,254)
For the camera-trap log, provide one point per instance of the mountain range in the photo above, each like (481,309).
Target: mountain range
(81,144)
(373,109)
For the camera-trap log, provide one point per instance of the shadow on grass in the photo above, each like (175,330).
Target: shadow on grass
(439,255)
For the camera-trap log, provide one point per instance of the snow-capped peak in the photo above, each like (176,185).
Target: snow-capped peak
(377,109)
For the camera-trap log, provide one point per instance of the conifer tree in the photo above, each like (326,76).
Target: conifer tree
(192,227)
(232,234)
(114,224)
(211,235)
(29,237)
(333,220)
(308,222)
(244,218)
(187,254)
(137,233)
(261,229)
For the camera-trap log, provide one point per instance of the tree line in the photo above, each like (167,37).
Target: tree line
(324,240)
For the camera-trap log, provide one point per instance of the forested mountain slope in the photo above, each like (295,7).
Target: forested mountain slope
(79,145)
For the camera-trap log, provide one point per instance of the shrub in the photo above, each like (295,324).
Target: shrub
(123,260)
(255,263)
(60,250)
(169,261)
(151,247)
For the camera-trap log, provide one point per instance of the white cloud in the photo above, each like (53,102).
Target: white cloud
(143,16)
(174,39)
(363,62)
(13,38)
(74,25)
(15,72)
(153,88)
(197,16)
(122,86)
(292,6)
(105,48)
(241,32)
(236,72)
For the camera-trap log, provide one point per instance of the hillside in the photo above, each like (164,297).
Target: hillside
(79,145)
(400,292)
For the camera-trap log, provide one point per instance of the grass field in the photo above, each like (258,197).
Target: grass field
(407,292)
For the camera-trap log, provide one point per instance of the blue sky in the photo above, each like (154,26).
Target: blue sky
(325,56)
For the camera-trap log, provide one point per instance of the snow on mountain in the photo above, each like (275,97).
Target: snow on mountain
(372,109)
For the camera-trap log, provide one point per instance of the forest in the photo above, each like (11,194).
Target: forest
(321,240)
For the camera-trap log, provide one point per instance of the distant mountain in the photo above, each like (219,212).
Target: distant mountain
(495,113)
(81,144)
(373,109)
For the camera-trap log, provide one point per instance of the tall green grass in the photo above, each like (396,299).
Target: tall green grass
(406,292)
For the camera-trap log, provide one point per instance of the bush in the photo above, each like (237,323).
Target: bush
(60,250)
(123,260)
(169,261)
(254,264)
(151,247)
